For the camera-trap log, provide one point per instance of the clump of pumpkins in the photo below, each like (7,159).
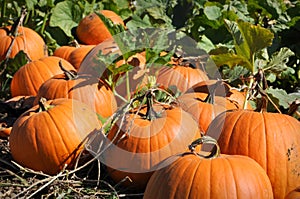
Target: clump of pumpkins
(66,96)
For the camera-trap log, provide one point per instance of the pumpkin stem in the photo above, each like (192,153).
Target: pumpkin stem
(70,74)
(151,113)
(206,140)
(43,105)
(212,92)
(293,109)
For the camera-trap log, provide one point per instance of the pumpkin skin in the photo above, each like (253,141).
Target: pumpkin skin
(294,194)
(47,140)
(27,40)
(64,52)
(91,29)
(147,143)
(28,79)
(272,139)
(180,76)
(85,88)
(226,177)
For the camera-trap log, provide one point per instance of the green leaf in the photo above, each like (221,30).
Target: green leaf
(255,37)
(280,97)
(232,74)
(212,12)
(66,15)
(278,60)
(230,60)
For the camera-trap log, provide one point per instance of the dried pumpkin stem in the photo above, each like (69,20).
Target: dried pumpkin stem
(151,113)
(70,74)
(206,140)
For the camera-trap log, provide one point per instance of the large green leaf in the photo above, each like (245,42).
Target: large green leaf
(249,39)
(66,15)
(280,97)
(230,60)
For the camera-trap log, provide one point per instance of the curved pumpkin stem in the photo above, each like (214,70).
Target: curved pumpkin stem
(70,75)
(206,140)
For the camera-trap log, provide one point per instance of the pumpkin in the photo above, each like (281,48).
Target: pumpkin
(220,88)
(28,79)
(294,194)
(25,39)
(203,111)
(91,29)
(52,134)
(271,139)
(142,138)
(85,88)
(183,77)
(64,51)
(212,176)
(90,64)
(207,99)
(78,54)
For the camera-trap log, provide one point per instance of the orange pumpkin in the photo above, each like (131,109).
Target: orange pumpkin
(78,54)
(52,134)
(25,39)
(91,29)
(272,139)
(142,140)
(28,79)
(85,88)
(214,176)
(183,77)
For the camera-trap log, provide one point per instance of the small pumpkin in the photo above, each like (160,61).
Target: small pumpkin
(212,176)
(91,30)
(28,79)
(271,139)
(52,134)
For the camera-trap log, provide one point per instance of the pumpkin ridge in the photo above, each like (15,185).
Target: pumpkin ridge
(233,126)
(234,177)
(56,124)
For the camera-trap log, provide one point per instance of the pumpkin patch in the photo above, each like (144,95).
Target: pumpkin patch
(131,99)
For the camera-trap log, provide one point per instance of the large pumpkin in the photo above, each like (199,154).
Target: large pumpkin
(85,88)
(91,29)
(25,39)
(52,134)
(215,176)
(272,139)
(141,143)
(28,79)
